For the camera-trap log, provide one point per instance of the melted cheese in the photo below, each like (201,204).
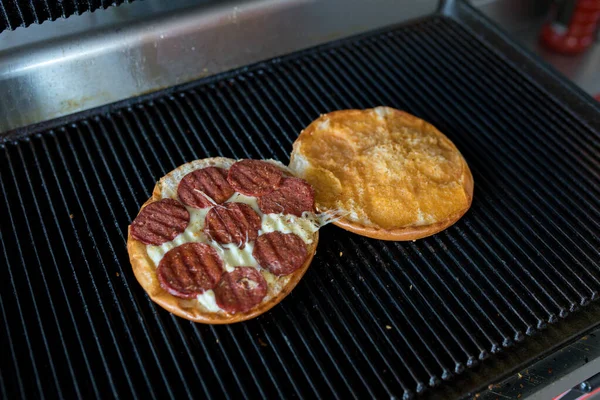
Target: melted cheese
(285,223)
(231,254)
(207,299)
(387,168)
(240,198)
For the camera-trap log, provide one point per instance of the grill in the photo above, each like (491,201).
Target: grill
(370,318)
(22,13)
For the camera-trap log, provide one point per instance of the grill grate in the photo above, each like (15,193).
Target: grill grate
(22,13)
(370,318)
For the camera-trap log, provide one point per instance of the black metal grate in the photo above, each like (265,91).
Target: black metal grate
(370,318)
(22,13)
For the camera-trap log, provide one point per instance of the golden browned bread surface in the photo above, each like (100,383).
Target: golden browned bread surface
(394,175)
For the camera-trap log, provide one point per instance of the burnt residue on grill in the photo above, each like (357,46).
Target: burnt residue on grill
(371,318)
(22,13)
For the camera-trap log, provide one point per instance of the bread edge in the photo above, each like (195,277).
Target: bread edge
(408,233)
(145,272)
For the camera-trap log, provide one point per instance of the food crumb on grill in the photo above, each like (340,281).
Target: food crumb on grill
(341,253)
(260,341)
(117,274)
(410,288)
(71,216)
(519,375)
(388,327)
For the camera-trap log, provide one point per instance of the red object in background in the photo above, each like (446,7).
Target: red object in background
(574,27)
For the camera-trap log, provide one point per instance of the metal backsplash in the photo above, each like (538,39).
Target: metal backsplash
(62,67)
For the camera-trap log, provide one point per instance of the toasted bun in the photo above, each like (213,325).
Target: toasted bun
(145,270)
(390,174)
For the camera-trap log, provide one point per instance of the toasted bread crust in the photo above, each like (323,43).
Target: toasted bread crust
(348,132)
(145,271)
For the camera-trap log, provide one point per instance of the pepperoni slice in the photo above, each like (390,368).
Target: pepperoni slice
(232,223)
(240,290)
(280,253)
(209,181)
(254,178)
(160,222)
(189,270)
(294,196)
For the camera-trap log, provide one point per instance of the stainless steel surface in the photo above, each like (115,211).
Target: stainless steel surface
(523,20)
(551,376)
(513,15)
(62,67)
(583,69)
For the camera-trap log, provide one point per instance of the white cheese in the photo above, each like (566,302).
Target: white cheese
(382,112)
(285,223)
(208,301)
(249,200)
(231,254)
(323,125)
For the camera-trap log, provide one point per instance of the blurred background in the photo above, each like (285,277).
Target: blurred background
(548,26)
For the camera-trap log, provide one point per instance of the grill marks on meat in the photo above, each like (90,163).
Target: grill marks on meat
(280,253)
(160,222)
(240,290)
(234,223)
(254,178)
(294,196)
(189,270)
(197,185)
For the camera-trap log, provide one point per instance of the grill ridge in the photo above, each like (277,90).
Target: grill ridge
(525,160)
(91,133)
(489,266)
(42,275)
(28,280)
(534,205)
(161,326)
(433,379)
(442,94)
(63,242)
(81,246)
(523,256)
(517,334)
(539,93)
(540,324)
(22,13)
(379,332)
(64,163)
(54,313)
